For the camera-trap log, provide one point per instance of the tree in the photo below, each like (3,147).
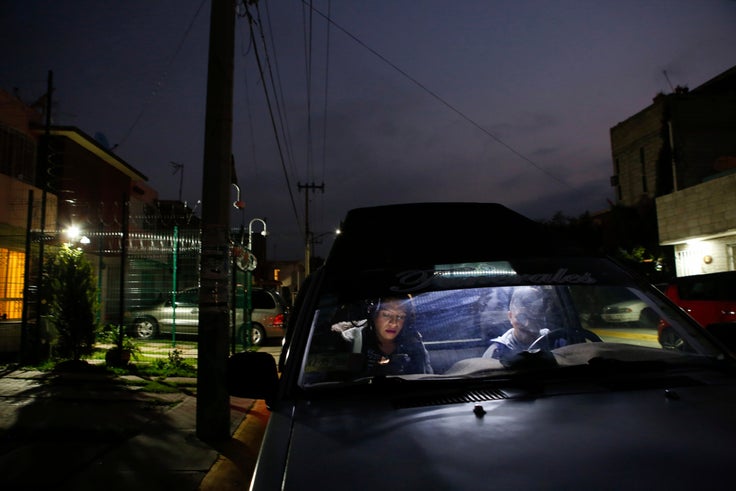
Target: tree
(71,302)
(628,233)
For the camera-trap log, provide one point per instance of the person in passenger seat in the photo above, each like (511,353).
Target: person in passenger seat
(388,339)
(527,314)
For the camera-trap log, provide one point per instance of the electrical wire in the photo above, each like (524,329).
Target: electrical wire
(307,27)
(438,97)
(249,114)
(326,92)
(279,145)
(278,89)
(160,83)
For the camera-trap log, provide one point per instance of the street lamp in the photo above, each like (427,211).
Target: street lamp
(249,280)
(74,234)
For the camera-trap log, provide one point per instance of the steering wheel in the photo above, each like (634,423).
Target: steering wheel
(571,336)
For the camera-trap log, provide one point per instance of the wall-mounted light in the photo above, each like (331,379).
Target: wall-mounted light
(707,259)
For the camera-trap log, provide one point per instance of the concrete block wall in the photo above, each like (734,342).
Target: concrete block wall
(703,210)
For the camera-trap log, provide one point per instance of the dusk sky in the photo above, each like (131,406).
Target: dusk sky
(410,100)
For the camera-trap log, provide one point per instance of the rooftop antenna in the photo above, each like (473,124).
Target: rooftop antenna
(178,167)
(668,80)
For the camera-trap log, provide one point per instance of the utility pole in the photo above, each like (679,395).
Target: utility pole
(307,232)
(213,400)
(35,344)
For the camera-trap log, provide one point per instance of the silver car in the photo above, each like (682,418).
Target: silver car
(182,316)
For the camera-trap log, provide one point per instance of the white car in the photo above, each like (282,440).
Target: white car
(628,311)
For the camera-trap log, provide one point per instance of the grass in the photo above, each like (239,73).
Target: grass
(156,359)
(173,365)
(157,386)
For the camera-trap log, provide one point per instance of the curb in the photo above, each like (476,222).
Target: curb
(237,457)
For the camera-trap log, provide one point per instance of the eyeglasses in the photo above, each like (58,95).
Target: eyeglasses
(388,317)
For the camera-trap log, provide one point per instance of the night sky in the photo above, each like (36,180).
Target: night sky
(410,100)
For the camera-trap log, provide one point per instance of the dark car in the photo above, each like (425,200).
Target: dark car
(578,405)
(268,318)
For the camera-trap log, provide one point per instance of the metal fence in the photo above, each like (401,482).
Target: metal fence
(141,265)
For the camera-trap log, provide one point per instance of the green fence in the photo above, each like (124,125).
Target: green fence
(146,267)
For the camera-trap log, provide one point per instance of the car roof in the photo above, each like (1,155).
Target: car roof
(420,234)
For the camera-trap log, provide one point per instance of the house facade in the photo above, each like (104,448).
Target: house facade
(55,179)
(680,152)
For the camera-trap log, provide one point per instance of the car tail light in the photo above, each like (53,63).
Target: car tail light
(278,320)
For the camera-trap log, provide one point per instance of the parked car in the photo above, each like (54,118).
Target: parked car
(708,298)
(627,311)
(580,407)
(182,317)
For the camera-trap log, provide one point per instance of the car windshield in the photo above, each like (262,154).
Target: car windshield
(490,319)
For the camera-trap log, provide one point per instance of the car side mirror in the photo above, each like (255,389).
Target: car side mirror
(252,374)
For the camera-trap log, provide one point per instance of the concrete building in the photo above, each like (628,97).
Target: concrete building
(681,152)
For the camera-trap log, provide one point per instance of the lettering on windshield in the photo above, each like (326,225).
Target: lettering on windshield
(413,280)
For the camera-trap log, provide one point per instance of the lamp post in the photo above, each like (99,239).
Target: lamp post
(249,280)
(74,234)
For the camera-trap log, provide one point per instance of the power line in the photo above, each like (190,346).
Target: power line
(439,98)
(327,79)
(668,80)
(159,84)
(249,114)
(279,146)
(278,89)
(308,30)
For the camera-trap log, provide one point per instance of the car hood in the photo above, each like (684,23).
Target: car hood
(656,438)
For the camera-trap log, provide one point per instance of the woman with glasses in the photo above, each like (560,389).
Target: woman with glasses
(388,339)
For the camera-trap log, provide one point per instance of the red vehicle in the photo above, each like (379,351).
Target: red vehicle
(708,298)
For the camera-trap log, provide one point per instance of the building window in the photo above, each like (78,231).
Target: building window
(617,175)
(643,166)
(17,155)
(12,265)
(687,262)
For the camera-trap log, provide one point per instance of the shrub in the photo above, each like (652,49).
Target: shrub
(71,302)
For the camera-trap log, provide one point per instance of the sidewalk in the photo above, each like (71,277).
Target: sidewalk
(84,431)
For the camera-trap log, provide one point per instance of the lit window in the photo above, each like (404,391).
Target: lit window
(12,265)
